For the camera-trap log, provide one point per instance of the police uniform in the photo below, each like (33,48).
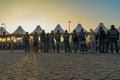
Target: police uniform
(51,41)
(57,38)
(82,41)
(42,43)
(75,41)
(26,42)
(66,42)
(47,43)
(113,37)
(35,38)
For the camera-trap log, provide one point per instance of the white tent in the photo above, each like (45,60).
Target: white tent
(58,27)
(101,25)
(79,27)
(38,29)
(3,30)
(19,31)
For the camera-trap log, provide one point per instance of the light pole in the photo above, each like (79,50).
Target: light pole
(69,25)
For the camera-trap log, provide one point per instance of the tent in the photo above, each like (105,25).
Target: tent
(38,29)
(19,31)
(58,27)
(3,30)
(101,25)
(79,27)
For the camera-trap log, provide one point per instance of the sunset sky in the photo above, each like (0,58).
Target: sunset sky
(49,13)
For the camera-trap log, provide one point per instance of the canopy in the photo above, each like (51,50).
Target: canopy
(100,25)
(19,31)
(58,27)
(79,27)
(3,30)
(38,29)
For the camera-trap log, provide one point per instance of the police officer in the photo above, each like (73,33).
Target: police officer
(42,39)
(82,41)
(101,38)
(57,38)
(113,37)
(75,40)
(51,41)
(35,44)
(47,42)
(26,42)
(66,41)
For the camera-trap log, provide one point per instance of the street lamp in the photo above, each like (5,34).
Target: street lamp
(69,25)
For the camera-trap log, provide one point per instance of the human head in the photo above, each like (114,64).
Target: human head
(51,31)
(58,31)
(101,27)
(74,30)
(65,31)
(112,26)
(81,30)
(26,32)
(35,33)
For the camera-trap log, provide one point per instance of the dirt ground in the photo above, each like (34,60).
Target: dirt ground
(19,65)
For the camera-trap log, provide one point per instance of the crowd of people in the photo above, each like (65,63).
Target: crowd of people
(101,41)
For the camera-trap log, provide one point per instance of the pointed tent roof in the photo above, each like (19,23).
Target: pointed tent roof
(19,31)
(103,26)
(38,29)
(58,27)
(3,30)
(79,27)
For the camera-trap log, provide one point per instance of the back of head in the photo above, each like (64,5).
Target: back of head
(112,26)
(65,31)
(58,31)
(81,30)
(74,30)
(101,27)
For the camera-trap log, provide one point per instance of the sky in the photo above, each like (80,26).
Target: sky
(49,13)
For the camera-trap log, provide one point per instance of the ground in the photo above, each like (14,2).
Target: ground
(19,65)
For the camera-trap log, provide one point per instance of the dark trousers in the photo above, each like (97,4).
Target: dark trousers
(67,45)
(27,47)
(75,46)
(35,47)
(52,46)
(114,44)
(101,46)
(58,46)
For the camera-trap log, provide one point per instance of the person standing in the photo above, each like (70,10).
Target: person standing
(52,42)
(107,42)
(75,40)
(42,39)
(101,40)
(92,41)
(57,38)
(66,41)
(82,42)
(47,42)
(113,37)
(26,42)
(35,44)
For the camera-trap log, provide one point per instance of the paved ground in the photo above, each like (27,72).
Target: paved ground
(59,66)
